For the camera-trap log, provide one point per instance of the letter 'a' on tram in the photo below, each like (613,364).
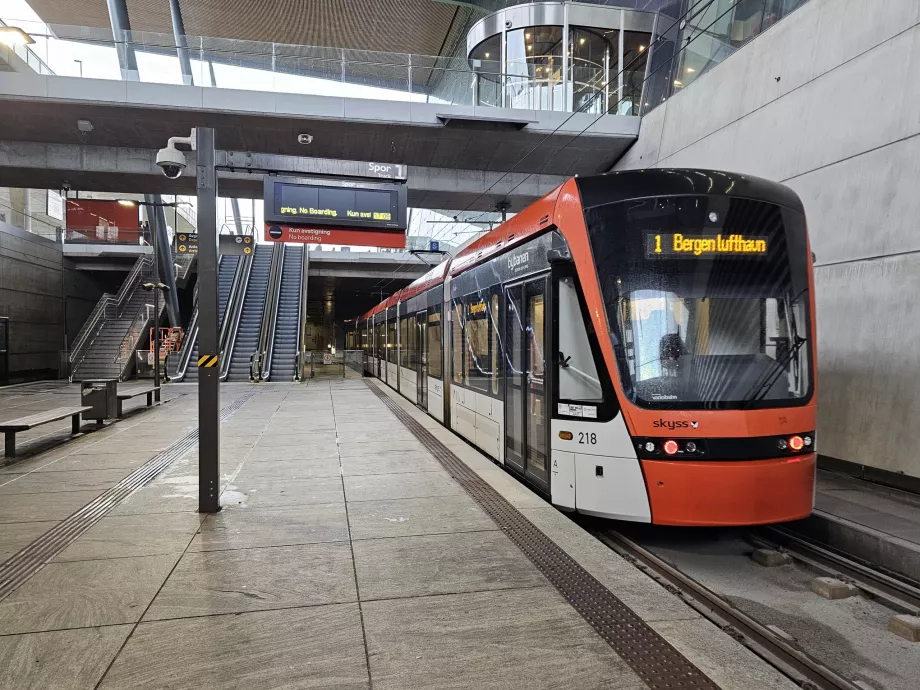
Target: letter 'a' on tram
(636,345)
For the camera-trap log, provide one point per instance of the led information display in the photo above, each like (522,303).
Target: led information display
(671,245)
(336,203)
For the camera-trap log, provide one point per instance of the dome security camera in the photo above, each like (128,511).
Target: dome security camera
(171,160)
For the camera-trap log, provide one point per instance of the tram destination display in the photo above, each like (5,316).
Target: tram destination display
(335,203)
(672,245)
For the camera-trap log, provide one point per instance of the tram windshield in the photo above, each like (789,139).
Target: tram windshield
(707,300)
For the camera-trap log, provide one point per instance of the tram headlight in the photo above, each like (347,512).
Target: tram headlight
(808,441)
(690,447)
(650,447)
(781,444)
(670,447)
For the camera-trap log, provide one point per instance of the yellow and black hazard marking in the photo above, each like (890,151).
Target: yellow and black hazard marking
(207,361)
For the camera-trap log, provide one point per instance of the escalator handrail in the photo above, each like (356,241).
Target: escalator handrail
(270,314)
(188,344)
(302,313)
(233,313)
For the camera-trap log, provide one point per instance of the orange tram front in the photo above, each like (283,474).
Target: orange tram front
(636,345)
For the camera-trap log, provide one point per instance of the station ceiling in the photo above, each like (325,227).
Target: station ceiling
(422,27)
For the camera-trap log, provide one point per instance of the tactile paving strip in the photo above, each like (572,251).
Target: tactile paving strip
(31,558)
(653,659)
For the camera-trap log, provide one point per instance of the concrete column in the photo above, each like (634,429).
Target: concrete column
(27,210)
(121,33)
(185,64)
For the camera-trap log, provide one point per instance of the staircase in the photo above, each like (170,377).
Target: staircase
(105,345)
(288,322)
(225,273)
(247,333)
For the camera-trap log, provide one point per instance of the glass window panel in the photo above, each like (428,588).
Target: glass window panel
(456,345)
(496,344)
(434,343)
(578,379)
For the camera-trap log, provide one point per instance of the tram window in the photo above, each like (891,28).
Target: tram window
(496,343)
(434,343)
(577,371)
(456,343)
(478,369)
(391,341)
(403,342)
(411,332)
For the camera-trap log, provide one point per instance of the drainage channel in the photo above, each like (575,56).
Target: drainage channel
(29,560)
(653,659)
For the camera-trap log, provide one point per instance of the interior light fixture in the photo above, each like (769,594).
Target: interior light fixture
(527,36)
(126,202)
(14,36)
(690,70)
(641,48)
(581,41)
(487,56)
(678,82)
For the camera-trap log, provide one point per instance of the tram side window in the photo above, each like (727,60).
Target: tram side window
(381,340)
(456,342)
(411,343)
(391,341)
(403,342)
(479,364)
(578,378)
(496,343)
(434,343)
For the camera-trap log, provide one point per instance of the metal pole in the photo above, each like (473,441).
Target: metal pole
(185,64)
(620,59)
(162,252)
(156,315)
(567,92)
(208,346)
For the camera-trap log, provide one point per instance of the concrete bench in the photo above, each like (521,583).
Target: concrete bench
(149,391)
(13,426)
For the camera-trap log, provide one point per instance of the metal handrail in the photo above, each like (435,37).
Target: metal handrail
(108,307)
(185,354)
(142,317)
(302,317)
(270,315)
(232,314)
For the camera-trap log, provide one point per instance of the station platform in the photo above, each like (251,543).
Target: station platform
(360,545)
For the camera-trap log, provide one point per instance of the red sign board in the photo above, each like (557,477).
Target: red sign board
(391,239)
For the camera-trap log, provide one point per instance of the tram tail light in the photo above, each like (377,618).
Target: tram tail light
(670,447)
(796,443)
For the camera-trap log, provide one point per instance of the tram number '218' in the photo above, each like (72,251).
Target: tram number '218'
(587,438)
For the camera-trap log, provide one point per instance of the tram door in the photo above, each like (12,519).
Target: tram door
(421,356)
(4,350)
(526,417)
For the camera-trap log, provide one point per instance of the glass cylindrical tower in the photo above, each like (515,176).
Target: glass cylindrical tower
(569,57)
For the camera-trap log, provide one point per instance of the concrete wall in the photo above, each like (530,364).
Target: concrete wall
(828,102)
(36,282)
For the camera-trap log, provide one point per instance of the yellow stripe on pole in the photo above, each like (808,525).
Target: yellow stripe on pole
(202,360)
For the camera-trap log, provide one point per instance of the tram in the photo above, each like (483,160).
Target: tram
(636,345)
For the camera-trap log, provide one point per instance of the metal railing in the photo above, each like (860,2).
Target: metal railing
(299,358)
(232,314)
(108,307)
(294,69)
(140,324)
(260,363)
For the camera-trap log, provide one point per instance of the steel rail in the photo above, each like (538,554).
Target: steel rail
(793,662)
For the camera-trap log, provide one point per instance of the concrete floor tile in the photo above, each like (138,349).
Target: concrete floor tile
(15,535)
(277,577)
(512,490)
(50,482)
(315,647)
(85,594)
(390,463)
(526,639)
(378,487)
(377,436)
(358,449)
(245,528)
(307,451)
(441,564)
(134,535)
(102,461)
(268,493)
(412,516)
(727,663)
(62,660)
(35,507)
(164,495)
(296,468)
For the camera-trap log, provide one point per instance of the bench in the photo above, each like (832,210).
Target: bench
(13,426)
(149,391)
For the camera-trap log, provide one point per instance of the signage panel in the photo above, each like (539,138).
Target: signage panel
(55,206)
(670,245)
(336,203)
(235,245)
(187,243)
(323,235)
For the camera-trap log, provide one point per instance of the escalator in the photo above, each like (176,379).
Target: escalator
(280,366)
(246,339)
(225,274)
